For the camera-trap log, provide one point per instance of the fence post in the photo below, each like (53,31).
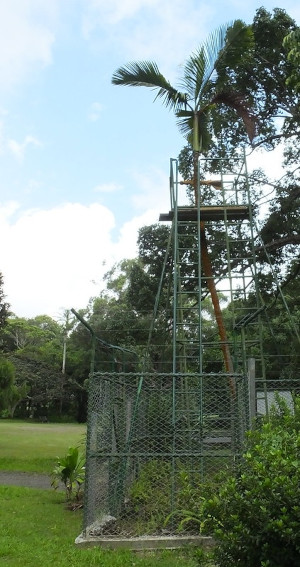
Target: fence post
(252,393)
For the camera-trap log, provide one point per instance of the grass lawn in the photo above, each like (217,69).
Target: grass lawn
(36,528)
(33,447)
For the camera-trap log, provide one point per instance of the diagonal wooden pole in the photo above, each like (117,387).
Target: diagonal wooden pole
(209,276)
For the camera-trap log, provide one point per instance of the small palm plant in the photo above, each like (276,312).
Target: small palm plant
(70,470)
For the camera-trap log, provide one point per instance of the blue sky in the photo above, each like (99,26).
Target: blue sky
(83,163)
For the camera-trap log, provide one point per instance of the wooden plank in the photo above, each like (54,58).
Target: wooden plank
(211,213)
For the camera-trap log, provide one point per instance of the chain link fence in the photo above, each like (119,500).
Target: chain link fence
(152,440)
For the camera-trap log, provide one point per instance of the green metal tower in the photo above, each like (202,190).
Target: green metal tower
(213,265)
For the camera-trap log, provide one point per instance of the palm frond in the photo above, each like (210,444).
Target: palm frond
(147,74)
(201,64)
(194,71)
(185,122)
(237,102)
(212,48)
(193,102)
(239,44)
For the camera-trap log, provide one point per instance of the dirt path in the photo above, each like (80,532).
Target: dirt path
(29,480)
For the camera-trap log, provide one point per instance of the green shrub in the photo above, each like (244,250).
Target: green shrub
(255,516)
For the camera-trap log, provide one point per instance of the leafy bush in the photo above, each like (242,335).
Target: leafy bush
(255,516)
(70,470)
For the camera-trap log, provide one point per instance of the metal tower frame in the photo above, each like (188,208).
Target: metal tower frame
(230,210)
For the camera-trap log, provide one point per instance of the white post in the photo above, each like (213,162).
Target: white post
(252,393)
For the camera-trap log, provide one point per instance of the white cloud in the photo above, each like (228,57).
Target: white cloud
(18,149)
(270,162)
(26,37)
(129,231)
(149,29)
(55,256)
(6,212)
(154,192)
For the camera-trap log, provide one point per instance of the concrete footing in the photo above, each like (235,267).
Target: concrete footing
(144,543)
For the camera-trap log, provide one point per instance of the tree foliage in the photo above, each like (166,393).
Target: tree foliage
(4,306)
(35,348)
(10,393)
(7,376)
(261,74)
(291,42)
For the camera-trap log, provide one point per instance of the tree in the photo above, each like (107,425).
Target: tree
(7,376)
(35,347)
(68,322)
(267,74)
(261,74)
(145,273)
(20,332)
(292,43)
(193,107)
(10,393)
(15,396)
(4,307)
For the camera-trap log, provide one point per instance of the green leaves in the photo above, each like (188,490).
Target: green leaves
(10,393)
(291,42)
(147,74)
(238,48)
(258,510)
(70,470)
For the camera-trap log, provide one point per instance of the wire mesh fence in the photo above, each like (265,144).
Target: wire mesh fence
(152,440)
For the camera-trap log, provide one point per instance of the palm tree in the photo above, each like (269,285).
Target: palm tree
(192,105)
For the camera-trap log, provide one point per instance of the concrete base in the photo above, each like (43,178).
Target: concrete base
(144,543)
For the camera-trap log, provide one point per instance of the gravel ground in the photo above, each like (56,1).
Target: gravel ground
(30,480)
